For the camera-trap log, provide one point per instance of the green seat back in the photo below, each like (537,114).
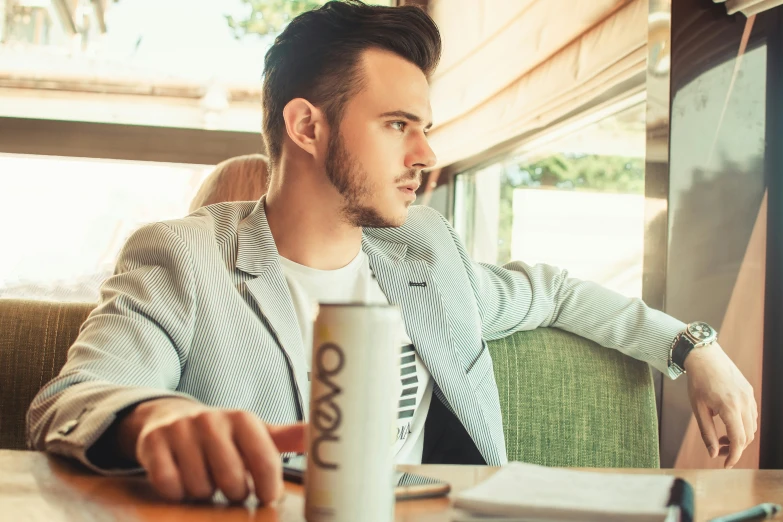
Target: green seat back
(34,341)
(567,401)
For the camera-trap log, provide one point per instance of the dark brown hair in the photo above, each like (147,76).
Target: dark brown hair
(317,57)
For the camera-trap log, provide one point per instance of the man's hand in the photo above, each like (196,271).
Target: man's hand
(716,387)
(189,450)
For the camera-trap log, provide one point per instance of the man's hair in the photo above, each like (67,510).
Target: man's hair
(317,57)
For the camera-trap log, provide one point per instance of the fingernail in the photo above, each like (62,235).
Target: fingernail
(711,450)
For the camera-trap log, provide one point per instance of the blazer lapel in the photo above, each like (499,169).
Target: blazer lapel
(408,283)
(258,256)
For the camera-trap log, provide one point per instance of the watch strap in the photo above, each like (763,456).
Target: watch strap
(680,350)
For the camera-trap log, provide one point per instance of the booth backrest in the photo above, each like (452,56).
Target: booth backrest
(565,401)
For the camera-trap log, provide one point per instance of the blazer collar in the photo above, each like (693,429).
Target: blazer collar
(373,245)
(257,251)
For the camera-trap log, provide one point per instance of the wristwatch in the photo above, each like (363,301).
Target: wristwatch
(696,335)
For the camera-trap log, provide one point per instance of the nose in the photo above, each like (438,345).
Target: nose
(421,155)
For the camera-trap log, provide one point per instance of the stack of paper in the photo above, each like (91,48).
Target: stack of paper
(526,492)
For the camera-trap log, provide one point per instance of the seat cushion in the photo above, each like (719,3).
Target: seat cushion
(567,401)
(34,341)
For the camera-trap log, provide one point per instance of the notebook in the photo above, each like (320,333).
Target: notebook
(526,492)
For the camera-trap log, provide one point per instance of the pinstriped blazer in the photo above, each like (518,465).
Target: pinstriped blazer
(199,307)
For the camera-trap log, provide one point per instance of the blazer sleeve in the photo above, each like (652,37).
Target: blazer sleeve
(518,297)
(131,348)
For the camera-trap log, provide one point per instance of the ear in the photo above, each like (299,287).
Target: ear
(305,125)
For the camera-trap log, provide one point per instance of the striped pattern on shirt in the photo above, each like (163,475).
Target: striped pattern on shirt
(199,307)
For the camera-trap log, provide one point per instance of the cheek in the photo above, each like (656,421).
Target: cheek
(378,146)
(380,159)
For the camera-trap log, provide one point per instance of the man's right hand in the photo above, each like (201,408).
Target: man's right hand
(189,450)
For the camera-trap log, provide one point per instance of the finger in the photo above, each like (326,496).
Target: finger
(733,420)
(707,428)
(225,463)
(260,456)
(289,438)
(189,457)
(156,458)
(748,424)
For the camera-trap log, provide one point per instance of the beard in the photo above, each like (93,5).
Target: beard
(352,182)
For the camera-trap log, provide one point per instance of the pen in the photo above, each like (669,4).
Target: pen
(760,512)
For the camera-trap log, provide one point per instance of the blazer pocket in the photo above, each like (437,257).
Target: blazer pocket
(480,367)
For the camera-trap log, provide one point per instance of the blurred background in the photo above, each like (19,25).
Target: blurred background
(636,143)
(186,64)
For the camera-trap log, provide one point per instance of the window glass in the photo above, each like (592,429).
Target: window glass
(65,220)
(575,201)
(171,63)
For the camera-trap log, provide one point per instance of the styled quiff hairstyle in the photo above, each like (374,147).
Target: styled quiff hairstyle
(317,57)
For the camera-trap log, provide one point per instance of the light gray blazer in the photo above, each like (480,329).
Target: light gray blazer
(200,307)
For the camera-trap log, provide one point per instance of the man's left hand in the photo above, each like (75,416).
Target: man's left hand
(716,387)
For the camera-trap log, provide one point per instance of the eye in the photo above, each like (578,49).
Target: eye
(398,125)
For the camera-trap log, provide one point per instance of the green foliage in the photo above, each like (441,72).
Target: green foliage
(565,172)
(580,171)
(269,17)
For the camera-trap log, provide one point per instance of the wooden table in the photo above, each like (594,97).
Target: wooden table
(34,486)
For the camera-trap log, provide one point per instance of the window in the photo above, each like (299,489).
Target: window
(73,216)
(575,200)
(170,63)
(140,64)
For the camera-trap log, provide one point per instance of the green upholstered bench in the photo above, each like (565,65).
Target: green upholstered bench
(565,400)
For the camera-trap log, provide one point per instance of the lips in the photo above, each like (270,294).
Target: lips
(409,190)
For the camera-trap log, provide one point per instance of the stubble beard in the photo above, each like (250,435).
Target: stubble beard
(352,182)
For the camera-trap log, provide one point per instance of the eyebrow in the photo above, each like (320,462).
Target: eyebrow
(406,115)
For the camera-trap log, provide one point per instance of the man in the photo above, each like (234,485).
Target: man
(193,366)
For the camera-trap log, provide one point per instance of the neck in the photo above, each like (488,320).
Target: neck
(304,212)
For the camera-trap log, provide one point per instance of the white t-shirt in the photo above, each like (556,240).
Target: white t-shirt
(355,282)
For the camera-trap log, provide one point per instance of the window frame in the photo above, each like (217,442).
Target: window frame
(124,142)
(587,116)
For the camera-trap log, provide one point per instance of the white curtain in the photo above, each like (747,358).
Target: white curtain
(512,66)
(749,7)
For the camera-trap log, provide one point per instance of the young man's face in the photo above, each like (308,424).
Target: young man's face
(376,158)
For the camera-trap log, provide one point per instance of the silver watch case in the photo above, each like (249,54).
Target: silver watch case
(701,334)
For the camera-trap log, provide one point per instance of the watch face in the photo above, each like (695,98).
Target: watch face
(701,332)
